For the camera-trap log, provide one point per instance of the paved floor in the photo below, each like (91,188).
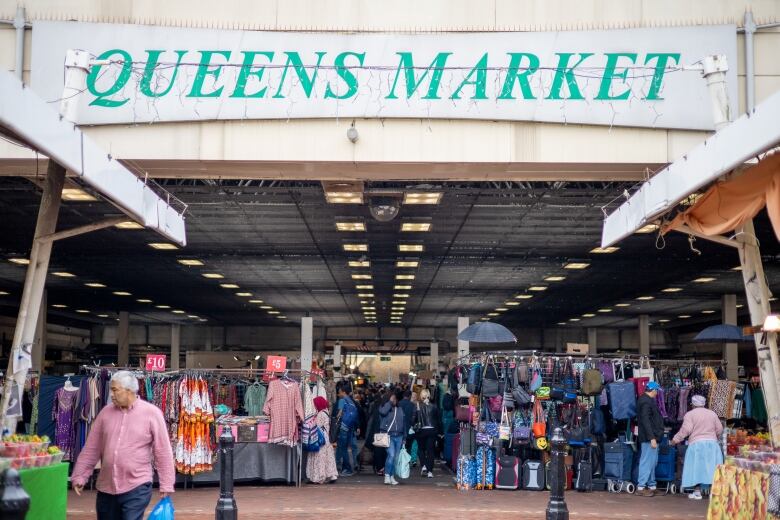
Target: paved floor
(363,496)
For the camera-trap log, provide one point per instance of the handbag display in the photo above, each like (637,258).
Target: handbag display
(622,400)
(592,382)
(542,393)
(382,440)
(474,382)
(491,388)
(505,428)
(645,370)
(495,404)
(520,396)
(539,425)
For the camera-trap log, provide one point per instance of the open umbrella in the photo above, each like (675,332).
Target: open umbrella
(722,334)
(487,332)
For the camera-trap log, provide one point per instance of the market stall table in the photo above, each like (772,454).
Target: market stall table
(258,461)
(48,490)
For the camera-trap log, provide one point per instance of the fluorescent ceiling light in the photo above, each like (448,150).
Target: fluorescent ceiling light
(178,311)
(20,261)
(672,289)
(555,279)
(402,288)
(492,314)
(397,308)
(574,319)
(646,298)
(189,261)
(739,306)
(229,285)
(416,226)
(663,321)
(162,306)
(604,310)
(511,304)
(121,293)
(524,296)
(576,265)
(622,305)
(361,276)
(604,250)
(344,197)
(350,226)
(102,315)
(705,279)
(359,263)
(82,311)
(363,286)
(95,285)
(365,302)
(163,246)
(77,195)
(144,300)
(129,224)
(537,288)
(649,228)
(192,316)
(4,293)
(422,198)
(244,294)
(738,268)
(411,248)
(561,323)
(266,307)
(365,295)
(355,247)
(274,312)
(399,302)
(589,315)
(255,301)
(501,309)
(708,311)
(400,295)
(404,277)
(63,274)
(684,316)
(282,317)
(59,306)
(407,263)
(212,276)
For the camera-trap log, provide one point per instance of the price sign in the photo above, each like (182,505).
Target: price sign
(276,363)
(155,362)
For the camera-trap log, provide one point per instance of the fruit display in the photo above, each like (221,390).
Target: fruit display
(28,451)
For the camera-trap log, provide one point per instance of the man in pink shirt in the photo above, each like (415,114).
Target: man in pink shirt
(124,438)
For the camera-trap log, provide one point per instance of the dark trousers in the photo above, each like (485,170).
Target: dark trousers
(426,441)
(126,506)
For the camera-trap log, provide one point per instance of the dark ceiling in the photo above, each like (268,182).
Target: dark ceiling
(488,243)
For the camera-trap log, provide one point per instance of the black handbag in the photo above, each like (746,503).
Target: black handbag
(491,388)
(521,396)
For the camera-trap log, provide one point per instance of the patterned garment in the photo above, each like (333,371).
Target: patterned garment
(773,500)
(285,407)
(321,465)
(62,415)
(721,399)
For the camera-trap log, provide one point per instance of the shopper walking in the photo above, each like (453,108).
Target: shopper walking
(702,428)
(347,421)
(409,408)
(321,465)
(428,421)
(126,436)
(374,423)
(392,423)
(651,431)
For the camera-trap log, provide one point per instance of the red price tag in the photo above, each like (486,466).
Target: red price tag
(155,362)
(276,363)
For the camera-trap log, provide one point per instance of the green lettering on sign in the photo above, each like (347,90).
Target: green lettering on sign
(513,75)
(564,71)
(120,82)
(662,59)
(246,71)
(609,75)
(349,78)
(412,83)
(480,84)
(307,83)
(204,70)
(151,63)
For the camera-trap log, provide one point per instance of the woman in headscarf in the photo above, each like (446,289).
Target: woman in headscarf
(321,465)
(702,428)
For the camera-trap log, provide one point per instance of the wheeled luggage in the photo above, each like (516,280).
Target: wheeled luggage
(584,481)
(486,467)
(507,472)
(618,466)
(533,475)
(448,444)
(466,473)
(667,462)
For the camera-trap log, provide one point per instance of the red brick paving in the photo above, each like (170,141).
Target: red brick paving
(364,497)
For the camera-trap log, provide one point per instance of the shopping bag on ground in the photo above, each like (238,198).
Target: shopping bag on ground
(163,510)
(402,461)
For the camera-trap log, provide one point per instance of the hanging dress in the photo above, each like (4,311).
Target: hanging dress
(62,415)
(285,407)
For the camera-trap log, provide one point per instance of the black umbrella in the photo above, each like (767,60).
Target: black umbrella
(487,332)
(722,334)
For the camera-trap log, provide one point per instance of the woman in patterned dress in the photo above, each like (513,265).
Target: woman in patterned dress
(321,465)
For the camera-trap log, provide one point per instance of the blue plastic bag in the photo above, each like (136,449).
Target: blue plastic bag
(163,510)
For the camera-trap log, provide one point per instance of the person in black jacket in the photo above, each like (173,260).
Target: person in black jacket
(651,431)
(427,419)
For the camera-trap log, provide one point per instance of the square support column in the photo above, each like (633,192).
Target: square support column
(307,342)
(644,335)
(592,341)
(123,340)
(434,364)
(463,346)
(175,345)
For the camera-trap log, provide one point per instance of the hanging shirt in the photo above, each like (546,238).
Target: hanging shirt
(285,406)
(254,399)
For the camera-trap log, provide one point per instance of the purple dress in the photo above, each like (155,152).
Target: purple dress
(62,414)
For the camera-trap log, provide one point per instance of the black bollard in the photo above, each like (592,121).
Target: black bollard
(556,507)
(226,505)
(14,500)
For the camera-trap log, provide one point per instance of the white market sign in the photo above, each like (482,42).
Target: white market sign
(630,77)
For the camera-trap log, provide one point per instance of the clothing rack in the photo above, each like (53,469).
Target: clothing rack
(515,355)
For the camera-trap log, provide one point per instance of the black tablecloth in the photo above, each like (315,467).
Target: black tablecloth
(258,461)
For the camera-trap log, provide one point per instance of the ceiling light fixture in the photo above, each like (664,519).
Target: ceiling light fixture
(501,309)
(684,316)
(537,288)
(604,250)
(422,198)
(345,197)
(524,296)
(163,246)
(95,285)
(574,319)
(402,287)
(555,279)
(411,248)
(359,263)
(663,321)
(589,315)
(162,306)
(672,289)
(212,276)
(649,228)
(404,277)
(244,294)
(350,226)
(59,306)
(708,311)
(363,286)
(352,248)
(704,279)
(129,224)
(365,295)
(646,298)
(229,285)
(576,265)
(361,276)
(82,311)
(266,307)
(76,195)
(63,274)
(511,304)
(416,227)
(492,314)
(604,310)
(122,293)
(622,305)
(144,300)
(407,263)
(255,301)
(20,261)
(189,261)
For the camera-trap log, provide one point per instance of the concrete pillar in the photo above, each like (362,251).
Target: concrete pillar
(123,339)
(175,345)
(644,335)
(463,346)
(730,350)
(592,337)
(208,346)
(434,364)
(307,341)
(40,340)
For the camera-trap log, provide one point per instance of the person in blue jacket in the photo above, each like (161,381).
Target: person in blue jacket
(392,423)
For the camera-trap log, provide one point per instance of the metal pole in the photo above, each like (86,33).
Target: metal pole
(226,505)
(19,23)
(750,77)
(35,279)
(14,501)
(556,507)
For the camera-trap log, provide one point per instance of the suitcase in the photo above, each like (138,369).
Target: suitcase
(599,484)
(568,476)
(618,461)
(453,460)
(486,468)
(584,482)
(533,475)
(466,473)
(507,472)
(447,451)
(667,462)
